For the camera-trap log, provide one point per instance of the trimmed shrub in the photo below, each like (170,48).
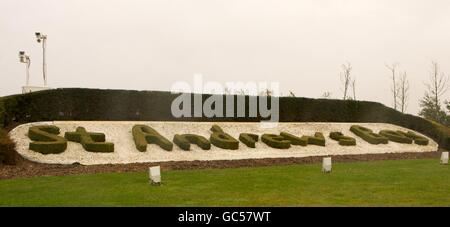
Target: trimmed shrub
(249,139)
(45,139)
(91,141)
(395,136)
(143,135)
(184,141)
(216,128)
(419,140)
(276,141)
(295,140)
(223,140)
(318,139)
(368,135)
(343,140)
(8,152)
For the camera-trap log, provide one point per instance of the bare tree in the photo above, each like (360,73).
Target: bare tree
(326,95)
(403,94)
(394,89)
(346,78)
(438,84)
(227,91)
(266,92)
(354,88)
(436,88)
(242,92)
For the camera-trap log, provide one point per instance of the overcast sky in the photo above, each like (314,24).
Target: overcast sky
(149,45)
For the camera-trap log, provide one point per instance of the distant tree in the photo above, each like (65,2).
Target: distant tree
(267,92)
(403,94)
(447,119)
(431,102)
(242,92)
(394,89)
(346,78)
(291,94)
(354,88)
(227,91)
(326,95)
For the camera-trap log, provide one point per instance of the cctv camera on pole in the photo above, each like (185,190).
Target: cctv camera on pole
(24,58)
(41,38)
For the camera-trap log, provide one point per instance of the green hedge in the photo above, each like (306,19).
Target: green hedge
(45,139)
(342,139)
(295,140)
(419,140)
(184,141)
(276,141)
(249,139)
(143,135)
(216,128)
(318,139)
(8,153)
(115,105)
(91,141)
(396,136)
(368,135)
(223,140)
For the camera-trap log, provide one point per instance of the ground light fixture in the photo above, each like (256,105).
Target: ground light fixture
(155,175)
(24,58)
(326,165)
(41,38)
(444,158)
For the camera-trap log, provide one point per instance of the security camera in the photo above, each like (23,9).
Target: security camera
(23,58)
(40,36)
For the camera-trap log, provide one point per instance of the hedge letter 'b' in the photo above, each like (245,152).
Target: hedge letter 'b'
(223,140)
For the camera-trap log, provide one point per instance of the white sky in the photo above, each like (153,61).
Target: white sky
(149,45)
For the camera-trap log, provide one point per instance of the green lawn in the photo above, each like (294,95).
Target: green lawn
(382,183)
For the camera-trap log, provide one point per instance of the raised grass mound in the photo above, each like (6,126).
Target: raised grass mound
(121,105)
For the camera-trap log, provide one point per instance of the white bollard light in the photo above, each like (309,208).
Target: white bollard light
(155,175)
(326,165)
(444,158)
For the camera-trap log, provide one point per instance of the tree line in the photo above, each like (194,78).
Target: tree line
(433,105)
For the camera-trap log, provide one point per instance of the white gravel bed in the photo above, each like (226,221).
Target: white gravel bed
(119,132)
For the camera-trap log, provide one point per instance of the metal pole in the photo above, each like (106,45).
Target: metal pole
(44,67)
(28,70)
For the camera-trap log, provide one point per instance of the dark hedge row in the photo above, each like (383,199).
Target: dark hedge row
(108,105)
(7,149)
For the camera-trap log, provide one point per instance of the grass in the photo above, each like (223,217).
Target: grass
(382,183)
